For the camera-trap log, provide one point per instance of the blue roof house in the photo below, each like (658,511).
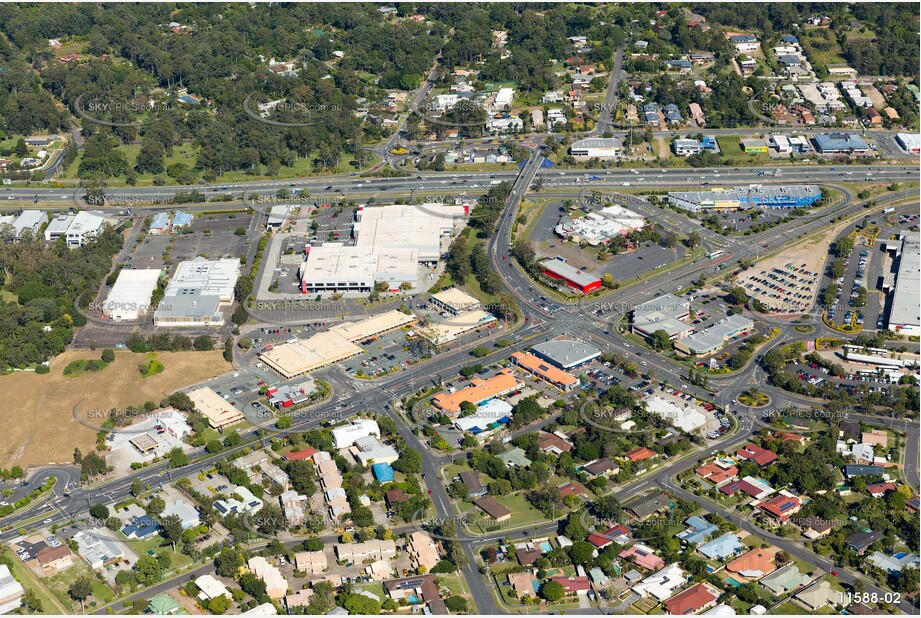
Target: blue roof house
(383,472)
(699,530)
(722,548)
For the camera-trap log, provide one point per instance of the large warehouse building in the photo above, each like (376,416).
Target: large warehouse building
(130,296)
(566,354)
(597,147)
(755,196)
(426,228)
(904,313)
(331,346)
(338,267)
(561,271)
(198,292)
(391,242)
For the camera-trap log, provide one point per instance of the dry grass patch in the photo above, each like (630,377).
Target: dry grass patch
(38,423)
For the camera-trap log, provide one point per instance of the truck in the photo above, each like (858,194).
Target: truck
(886,211)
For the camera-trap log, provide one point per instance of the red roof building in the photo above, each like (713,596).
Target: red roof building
(731,489)
(781,507)
(639,454)
(760,456)
(601,540)
(573,585)
(692,600)
(572,489)
(878,490)
(307,453)
(717,475)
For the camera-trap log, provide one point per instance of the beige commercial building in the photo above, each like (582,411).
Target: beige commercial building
(219,413)
(332,346)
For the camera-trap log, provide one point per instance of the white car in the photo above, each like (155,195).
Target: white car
(47,521)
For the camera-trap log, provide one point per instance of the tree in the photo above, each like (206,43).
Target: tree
(155,506)
(32,602)
(177,458)
(99,511)
(81,590)
(108,355)
(581,552)
(228,562)
(219,605)
(172,529)
(360,604)
(456,604)
(214,446)
(136,488)
(203,343)
(409,462)
(552,591)
(661,340)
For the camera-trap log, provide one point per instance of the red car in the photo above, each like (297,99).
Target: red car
(430,493)
(835,573)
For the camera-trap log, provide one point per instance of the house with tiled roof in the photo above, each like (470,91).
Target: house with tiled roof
(662,584)
(616,534)
(781,507)
(573,585)
(693,600)
(640,454)
(601,467)
(761,456)
(753,564)
(571,488)
(784,579)
(717,475)
(522,583)
(879,490)
(722,547)
(642,556)
(815,527)
(552,443)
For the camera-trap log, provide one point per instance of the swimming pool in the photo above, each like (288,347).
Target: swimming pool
(733,582)
(413,599)
(546,547)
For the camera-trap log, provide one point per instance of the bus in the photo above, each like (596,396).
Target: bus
(715,254)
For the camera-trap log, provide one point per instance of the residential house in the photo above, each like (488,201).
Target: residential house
(861,541)
(662,584)
(761,456)
(784,579)
(553,443)
(642,556)
(422,550)
(817,596)
(781,507)
(753,564)
(471,481)
(492,508)
(648,505)
(54,559)
(311,562)
(693,600)
(699,530)
(722,547)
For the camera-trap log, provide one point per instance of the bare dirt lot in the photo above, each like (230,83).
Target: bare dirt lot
(38,423)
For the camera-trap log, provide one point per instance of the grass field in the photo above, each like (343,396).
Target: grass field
(39,427)
(30,581)
(60,582)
